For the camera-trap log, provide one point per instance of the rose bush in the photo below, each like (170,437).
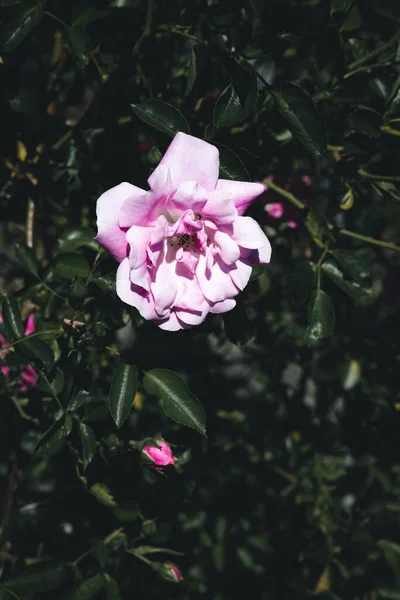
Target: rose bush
(184,247)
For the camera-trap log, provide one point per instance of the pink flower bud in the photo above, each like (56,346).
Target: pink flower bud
(172,573)
(274,209)
(160,456)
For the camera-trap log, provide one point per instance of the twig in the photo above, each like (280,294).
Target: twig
(367,175)
(288,195)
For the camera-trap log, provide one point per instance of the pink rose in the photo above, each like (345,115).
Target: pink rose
(28,374)
(160,456)
(184,247)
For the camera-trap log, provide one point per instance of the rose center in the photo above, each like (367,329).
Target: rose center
(182,241)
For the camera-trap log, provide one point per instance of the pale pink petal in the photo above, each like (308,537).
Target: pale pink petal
(165,288)
(5,370)
(220,208)
(292,224)
(224,306)
(190,159)
(274,210)
(28,378)
(261,255)
(240,275)
(228,249)
(141,277)
(161,455)
(138,238)
(110,234)
(139,209)
(215,283)
(160,181)
(133,295)
(188,195)
(30,325)
(242,192)
(247,233)
(172,323)
(192,317)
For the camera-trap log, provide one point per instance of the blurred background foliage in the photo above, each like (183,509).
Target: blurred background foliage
(295,491)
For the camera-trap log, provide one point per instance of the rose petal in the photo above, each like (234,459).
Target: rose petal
(110,234)
(224,306)
(138,239)
(242,192)
(220,208)
(248,234)
(215,283)
(30,325)
(172,323)
(240,275)
(133,295)
(190,159)
(228,249)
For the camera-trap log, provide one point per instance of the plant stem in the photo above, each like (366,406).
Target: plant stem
(375,52)
(284,193)
(49,14)
(189,36)
(370,240)
(28,337)
(147,26)
(319,264)
(61,141)
(378,177)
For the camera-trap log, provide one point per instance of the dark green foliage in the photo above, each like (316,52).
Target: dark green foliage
(294,493)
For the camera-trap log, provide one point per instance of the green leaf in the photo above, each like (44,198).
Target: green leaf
(54,439)
(89,446)
(387,8)
(353,289)
(388,594)
(112,587)
(36,348)
(38,578)
(179,403)
(100,552)
(27,259)
(162,116)
(321,316)
(254,11)
(84,14)
(102,493)
(300,283)
(256,272)
(304,121)
(143,550)
(12,319)
(192,74)
(317,227)
(89,588)
(122,392)
(73,239)
(20,23)
(230,165)
(78,400)
(53,386)
(229,109)
(354,264)
(80,45)
(391,551)
(71,265)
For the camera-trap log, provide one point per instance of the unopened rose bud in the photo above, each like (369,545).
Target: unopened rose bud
(170,572)
(161,455)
